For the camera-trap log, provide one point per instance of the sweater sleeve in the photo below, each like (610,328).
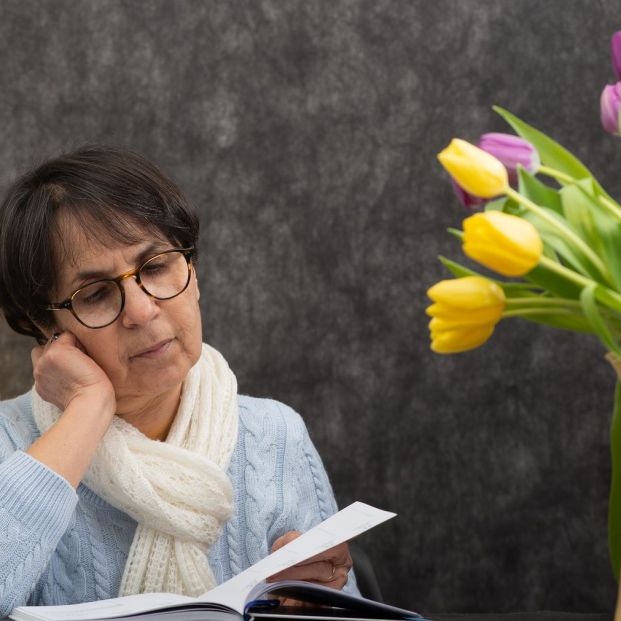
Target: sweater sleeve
(36,506)
(308,498)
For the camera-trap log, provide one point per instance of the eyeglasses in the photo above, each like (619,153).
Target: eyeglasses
(99,303)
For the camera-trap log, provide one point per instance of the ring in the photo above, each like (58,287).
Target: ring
(333,572)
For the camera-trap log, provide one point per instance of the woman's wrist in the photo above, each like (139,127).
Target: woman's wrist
(70,444)
(94,401)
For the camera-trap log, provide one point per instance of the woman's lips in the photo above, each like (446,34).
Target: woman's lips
(159,349)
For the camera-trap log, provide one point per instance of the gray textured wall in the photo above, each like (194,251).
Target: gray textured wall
(306,133)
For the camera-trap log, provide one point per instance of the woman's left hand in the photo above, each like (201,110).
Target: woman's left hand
(330,568)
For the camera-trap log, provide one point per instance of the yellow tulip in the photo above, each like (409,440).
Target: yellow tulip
(464,313)
(506,244)
(476,171)
(457,341)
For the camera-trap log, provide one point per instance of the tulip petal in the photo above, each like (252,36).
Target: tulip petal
(499,260)
(475,170)
(455,341)
(505,243)
(444,324)
(469,201)
(610,105)
(515,234)
(470,292)
(460,316)
(512,151)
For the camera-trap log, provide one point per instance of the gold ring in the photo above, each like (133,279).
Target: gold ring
(333,572)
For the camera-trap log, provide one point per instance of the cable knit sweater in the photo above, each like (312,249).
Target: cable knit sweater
(60,546)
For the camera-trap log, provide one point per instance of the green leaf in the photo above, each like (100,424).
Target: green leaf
(553,240)
(456,233)
(539,192)
(457,269)
(572,322)
(511,289)
(506,204)
(497,204)
(551,152)
(521,289)
(601,229)
(551,281)
(592,313)
(580,210)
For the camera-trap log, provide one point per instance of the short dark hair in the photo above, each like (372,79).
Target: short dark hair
(104,189)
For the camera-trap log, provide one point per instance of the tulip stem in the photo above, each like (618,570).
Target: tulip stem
(565,231)
(613,207)
(539,311)
(611,298)
(556,174)
(561,270)
(541,301)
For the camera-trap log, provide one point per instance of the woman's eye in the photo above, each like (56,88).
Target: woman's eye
(100,294)
(154,268)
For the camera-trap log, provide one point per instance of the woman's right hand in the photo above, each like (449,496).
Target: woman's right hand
(62,371)
(66,376)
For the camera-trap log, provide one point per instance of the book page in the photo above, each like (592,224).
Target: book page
(102,609)
(342,526)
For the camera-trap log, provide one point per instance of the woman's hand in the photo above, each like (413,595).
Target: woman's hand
(330,568)
(70,379)
(63,371)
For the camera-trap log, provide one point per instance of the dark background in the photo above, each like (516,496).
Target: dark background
(306,133)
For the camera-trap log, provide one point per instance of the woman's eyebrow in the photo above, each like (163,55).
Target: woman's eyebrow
(150,250)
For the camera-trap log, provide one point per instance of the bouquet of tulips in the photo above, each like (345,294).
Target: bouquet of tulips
(542,220)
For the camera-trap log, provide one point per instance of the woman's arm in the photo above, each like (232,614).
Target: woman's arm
(37,484)
(68,378)
(36,506)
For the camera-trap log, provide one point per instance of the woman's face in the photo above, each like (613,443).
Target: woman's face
(153,344)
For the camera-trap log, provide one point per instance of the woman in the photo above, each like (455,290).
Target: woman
(133,465)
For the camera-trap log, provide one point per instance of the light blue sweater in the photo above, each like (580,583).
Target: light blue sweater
(59,545)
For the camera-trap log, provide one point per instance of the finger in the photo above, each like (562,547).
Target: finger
(65,338)
(287,601)
(336,580)
(313,571)
(323,572)
(339,555)
(283,540)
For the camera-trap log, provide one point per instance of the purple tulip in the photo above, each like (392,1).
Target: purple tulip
(609,106)
(469,201)
(511,151)
(615,45)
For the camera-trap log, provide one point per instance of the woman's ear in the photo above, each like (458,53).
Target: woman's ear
(196,287)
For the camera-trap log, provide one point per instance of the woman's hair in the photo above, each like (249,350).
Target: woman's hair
(113,194)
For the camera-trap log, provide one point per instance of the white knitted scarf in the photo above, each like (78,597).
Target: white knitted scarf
(176,490)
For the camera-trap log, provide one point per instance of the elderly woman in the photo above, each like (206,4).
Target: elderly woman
(133,465)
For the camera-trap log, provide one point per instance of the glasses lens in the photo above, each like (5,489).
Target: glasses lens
(165,275)
(97,304)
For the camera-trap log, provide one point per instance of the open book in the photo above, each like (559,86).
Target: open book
(246,595)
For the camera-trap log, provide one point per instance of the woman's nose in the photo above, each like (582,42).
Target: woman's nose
(140,307)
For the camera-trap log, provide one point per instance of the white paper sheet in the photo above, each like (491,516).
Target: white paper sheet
(118,606)
(342,526)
